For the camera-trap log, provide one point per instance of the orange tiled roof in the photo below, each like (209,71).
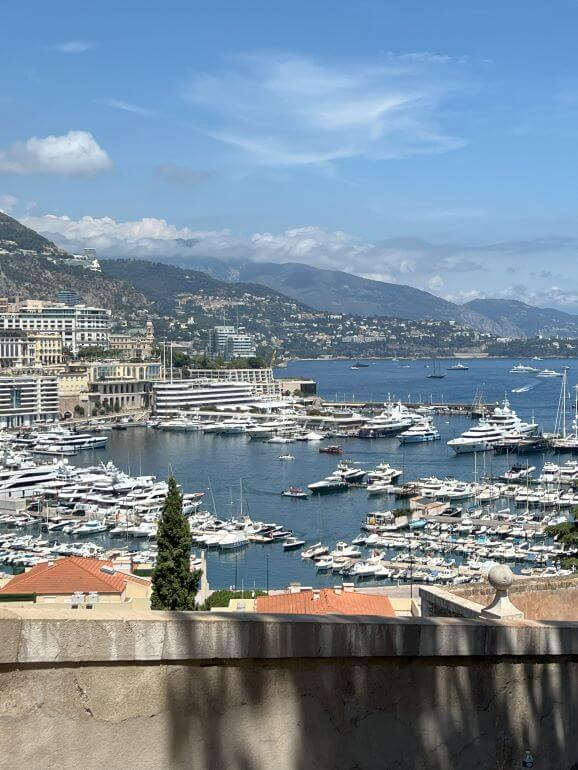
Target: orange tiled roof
(329,602)
(67,576)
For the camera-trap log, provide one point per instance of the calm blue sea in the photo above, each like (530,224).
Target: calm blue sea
(200,460)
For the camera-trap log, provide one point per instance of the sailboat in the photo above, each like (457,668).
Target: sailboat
(437,372)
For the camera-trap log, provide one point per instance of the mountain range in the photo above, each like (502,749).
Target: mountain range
(32,265)
(335,291)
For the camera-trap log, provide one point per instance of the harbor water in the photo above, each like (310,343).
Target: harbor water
(209,462)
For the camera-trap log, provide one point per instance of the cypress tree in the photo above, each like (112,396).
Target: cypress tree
(174,586)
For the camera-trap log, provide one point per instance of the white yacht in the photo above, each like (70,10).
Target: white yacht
(393,419)
(547,373)
(25,476)
(420,432)
(523,369)
(480,438)
(182,424)
(64,438)
(233,540)
(506,419)
(333,483)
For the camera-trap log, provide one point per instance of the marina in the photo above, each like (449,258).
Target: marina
(473,508)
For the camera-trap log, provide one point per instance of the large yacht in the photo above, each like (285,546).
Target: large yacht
(523,369)
(420,432)
(24,476)
(393,419)
(69,439)
(480,438)
(504,418)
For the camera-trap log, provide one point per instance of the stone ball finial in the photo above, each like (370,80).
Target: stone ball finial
(501,577)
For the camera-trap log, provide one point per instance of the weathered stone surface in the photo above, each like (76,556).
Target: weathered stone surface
(304,714)
(10,628)
(162,690)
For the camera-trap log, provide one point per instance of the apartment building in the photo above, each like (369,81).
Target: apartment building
(79,326)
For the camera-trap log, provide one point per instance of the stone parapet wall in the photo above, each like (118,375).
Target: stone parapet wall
(204,690)
(537,598)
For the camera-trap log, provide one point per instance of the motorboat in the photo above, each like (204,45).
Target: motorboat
(350,474)
(286,457)
(292,543)
(343,549)
(331,450)
(333,483)
(311,436)
(379,487)
(314,551)
(233,540)
(419,432)
(182,424)
(296,493)
(461,367)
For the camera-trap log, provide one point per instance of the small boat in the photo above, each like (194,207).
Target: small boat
(286,457)
(296,493)
(292,543)
(331,450)
(314,551)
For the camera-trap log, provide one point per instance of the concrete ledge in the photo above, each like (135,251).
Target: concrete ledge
(28,638)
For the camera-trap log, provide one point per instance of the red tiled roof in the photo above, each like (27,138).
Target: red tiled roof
(329,602)
(67,576)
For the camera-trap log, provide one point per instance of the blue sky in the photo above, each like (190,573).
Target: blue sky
(429,143)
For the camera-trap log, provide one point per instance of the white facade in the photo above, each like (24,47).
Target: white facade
(15,349)
(239,346)
(26,400)
(170,398)
(261,380)
(79,326)
(230,342)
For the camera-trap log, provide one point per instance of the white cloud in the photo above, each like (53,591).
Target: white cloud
(291,110)
(435,283)
(118,104)
(7,203)
(74,154)
(74,46)
(451,270)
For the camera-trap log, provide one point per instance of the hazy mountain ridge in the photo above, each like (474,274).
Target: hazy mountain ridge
(324,290)
(526,320)
(16,238)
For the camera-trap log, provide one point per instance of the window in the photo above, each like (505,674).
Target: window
(16,397)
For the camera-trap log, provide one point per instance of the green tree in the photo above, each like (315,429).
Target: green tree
(174,586)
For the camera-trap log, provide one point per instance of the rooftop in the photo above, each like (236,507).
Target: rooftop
(70,575)
(326,601)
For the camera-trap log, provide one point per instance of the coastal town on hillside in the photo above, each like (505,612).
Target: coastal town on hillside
(288,386)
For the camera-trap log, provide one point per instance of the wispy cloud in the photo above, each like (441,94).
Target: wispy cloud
(74,46)
(175,173)
(76,153)
(8,203)
(118,104)
(291,110)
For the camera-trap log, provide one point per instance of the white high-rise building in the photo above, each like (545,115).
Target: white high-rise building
(228,342)
(27,400)
(79,326)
